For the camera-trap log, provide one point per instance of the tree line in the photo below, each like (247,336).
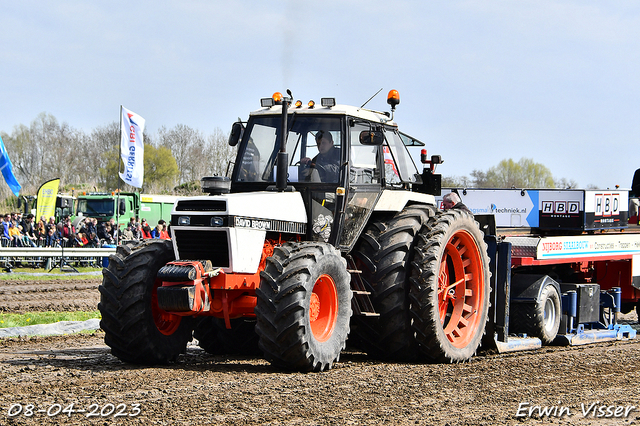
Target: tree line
(508,173)
(175,159)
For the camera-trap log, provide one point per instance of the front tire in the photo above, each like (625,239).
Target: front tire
(450,288)
(304,307)
(136,329)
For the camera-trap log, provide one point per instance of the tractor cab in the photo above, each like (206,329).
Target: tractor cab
(339,158)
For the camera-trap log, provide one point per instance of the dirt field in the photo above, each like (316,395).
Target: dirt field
(58,295)
(74,379)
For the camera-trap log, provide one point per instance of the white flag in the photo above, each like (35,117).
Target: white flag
(132,148)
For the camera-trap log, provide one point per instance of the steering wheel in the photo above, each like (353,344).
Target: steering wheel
(317,173)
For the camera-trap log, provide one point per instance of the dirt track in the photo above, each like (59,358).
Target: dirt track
(54,372)
(56,295)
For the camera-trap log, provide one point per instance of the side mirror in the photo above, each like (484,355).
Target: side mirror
(236,133)
(123,208)
(371,137)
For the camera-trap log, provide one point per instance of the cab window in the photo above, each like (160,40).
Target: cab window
(399,166)
(363,162)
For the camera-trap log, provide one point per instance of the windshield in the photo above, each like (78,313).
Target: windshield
(96,207)
(313,144)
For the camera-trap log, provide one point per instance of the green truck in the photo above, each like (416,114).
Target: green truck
(125,205)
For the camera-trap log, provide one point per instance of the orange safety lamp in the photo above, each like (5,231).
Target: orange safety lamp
(393,98)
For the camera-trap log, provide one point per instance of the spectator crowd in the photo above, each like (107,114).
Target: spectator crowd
(22,231)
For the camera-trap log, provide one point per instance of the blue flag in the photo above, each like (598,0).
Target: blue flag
(7,170)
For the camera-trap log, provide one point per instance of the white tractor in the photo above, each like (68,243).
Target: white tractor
(325,227)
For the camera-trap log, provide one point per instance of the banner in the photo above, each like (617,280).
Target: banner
(132,147)
(46,201)
(7,170)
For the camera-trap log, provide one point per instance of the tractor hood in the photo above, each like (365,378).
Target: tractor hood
(230,229)
(270,206)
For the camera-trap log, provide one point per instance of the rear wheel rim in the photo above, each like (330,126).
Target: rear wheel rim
(323,308)
(461,289)
(165,322)
(549,315)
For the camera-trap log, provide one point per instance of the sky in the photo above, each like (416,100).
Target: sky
(479,81)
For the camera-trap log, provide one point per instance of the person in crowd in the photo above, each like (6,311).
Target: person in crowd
(68,232)
(127,234)
(16,235)
(53,238)
(51,223)
(146,230)
(134,227)
(28,230)
(160,232)
(104,233)
(7,239)
(114,229)
(110,232)
(40,232)
(80,240)
(90,231)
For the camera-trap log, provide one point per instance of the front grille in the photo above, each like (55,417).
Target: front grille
(201,205)
(203,245)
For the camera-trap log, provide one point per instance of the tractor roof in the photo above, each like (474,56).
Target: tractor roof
(362,113)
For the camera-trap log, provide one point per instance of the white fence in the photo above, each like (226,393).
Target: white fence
(53,254)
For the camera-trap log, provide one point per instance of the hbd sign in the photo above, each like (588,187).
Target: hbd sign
(607,205)
(561,207)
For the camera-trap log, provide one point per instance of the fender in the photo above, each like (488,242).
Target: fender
(526,288)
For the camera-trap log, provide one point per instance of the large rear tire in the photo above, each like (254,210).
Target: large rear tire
(384,254)
(450,288)
(136,329)
(304,307)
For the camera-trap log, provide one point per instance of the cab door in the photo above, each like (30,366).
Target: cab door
(364,186)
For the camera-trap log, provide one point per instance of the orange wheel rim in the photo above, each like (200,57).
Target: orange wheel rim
(323,308)
(461,289)
(165,322)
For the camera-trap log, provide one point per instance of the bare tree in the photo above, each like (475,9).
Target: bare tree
(220,153)
(186,145)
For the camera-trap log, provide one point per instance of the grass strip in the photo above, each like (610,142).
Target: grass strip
(49,317)
(31,274)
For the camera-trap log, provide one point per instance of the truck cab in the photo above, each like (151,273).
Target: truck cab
(341,159)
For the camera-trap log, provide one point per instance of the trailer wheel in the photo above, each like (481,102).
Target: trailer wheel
(384,254)
(214,337)
(304,307)
(450,288)
(541,319)
(136,329)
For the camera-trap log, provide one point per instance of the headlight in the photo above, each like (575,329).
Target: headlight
(217,221)
(184,220)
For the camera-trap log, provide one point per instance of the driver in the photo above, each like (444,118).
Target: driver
(327,162)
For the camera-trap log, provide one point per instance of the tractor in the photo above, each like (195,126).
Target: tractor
(324,230)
